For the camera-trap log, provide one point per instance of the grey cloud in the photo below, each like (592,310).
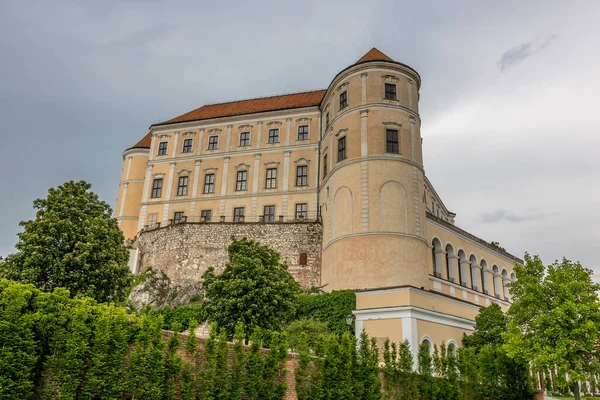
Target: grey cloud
(505,215)
(523,51)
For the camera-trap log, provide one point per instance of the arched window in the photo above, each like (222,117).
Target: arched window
(497,282)
(463,268)
(475,276)
(438,259)
(451,263)
(505,281)
(452,348)
(484,280)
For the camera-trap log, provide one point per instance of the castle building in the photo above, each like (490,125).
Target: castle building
(334,180)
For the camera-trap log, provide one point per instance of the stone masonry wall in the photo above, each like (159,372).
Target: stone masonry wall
(184,251)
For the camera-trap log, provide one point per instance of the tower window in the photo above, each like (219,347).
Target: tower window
(156,188)
(324,165)
(271,182)
(162,148)
(187,146)
(343,100)
(269,214)
(303,132)
(391,137)
(390,91)
(273,136)
(327,120)
(303,259)
(302,175)
(209,183)
(245,139)
(238,214)
(182,186)
(342,149)
(240,183)
(213,142)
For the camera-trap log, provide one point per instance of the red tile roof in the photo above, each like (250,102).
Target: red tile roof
(272,103)
(144,143)
(374,55)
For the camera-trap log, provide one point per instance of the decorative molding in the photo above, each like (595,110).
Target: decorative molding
(272,163)
(302,161)
(413,120)
(390,77)
(158,175)
(364,74)
(257,156)
(198,162)
(164,136)
(287,153)
(364,113)
(245,127)
(242,167)
(392,124)
(184,172)
(304,120)
(188,133)
(214,131)
(342,132)
(210,170)
(274,123)
(343,86)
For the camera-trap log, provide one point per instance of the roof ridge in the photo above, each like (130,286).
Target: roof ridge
(261,97)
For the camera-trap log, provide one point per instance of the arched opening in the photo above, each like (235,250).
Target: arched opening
(463,268)
(484,279)
(497,282)
(451,263)
(505,281)
(438,259)
(452,348)
(426,341)
(475,276)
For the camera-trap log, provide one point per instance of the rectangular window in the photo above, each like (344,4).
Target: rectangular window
(271,178)
(205,215)
(245,139)
(156,188)
(182,186)
(324,165)
(303,259)
(269,215)
(238,214)
(187,146)
(327,120)
(240,182)
(213,142)
(179,217)
(390,91)
(209,183)
(303,132)
(302,175)
(152,218)
(300,210)
(162,148)
(342,149)
(273,136)
(343,100)
(391,137)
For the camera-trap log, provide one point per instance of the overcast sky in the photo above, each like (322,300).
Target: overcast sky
(509,99)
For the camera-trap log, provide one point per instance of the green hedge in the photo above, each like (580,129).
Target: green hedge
(331,308)
(175,318)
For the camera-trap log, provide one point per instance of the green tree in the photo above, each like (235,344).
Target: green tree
(74,243)
(255,289)
(312,328)
(490,323)
(555,318)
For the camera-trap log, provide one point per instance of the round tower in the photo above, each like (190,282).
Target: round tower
(372,177)
(131,187)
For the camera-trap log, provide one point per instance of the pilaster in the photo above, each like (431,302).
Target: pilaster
(195,189)
(168,187)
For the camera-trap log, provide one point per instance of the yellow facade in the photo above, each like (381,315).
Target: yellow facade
(386,232)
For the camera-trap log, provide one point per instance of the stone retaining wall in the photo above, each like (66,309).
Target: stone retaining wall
(184,251)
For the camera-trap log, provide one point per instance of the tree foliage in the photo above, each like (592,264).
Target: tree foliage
(74,243)
(255,289)
(554,318)
(330,308)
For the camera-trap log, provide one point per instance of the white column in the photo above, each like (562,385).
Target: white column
(255,176)
(410,333)
(453,268)
(199,145)
(174,149)
(228,137)
(168,188)
(152,156)
(224,185)
(286,182)
(195,189)
(289,131)
(258,135)
(122,205)
(147,179)
(364,88)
